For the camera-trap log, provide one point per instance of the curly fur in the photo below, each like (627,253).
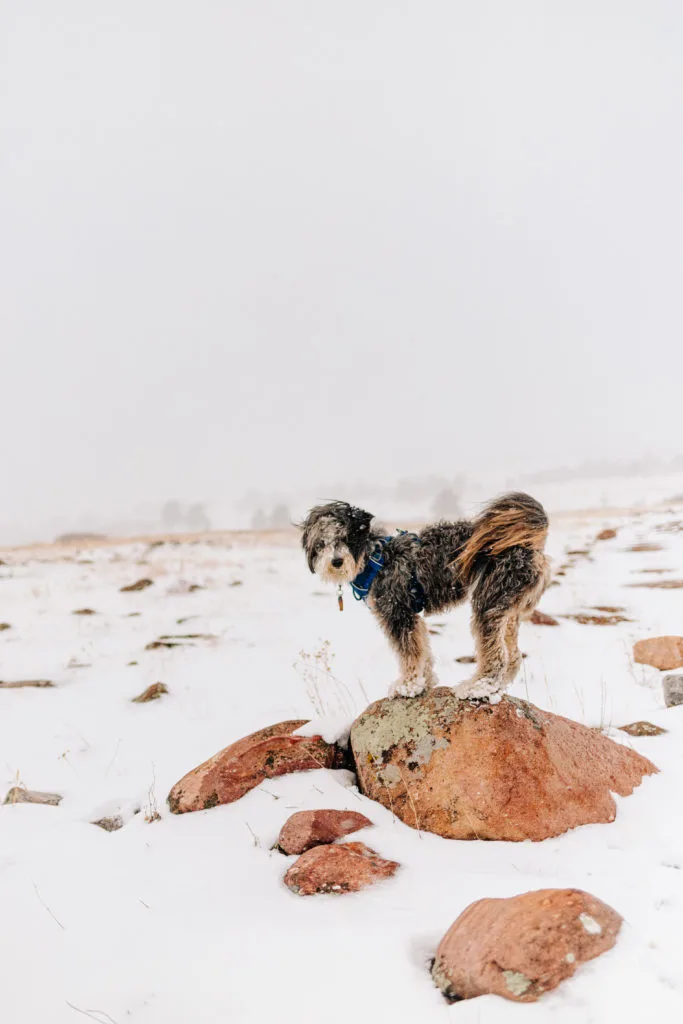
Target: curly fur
(496,560)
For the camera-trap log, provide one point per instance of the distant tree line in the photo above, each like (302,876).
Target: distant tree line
(278,519)
(192,518)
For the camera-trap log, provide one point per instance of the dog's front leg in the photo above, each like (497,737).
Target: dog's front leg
(410,640)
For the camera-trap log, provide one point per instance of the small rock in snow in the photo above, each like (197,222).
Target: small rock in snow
(306,829)
(673,690)
(642,729)
(539,618)
(338,869)
(112,824)
(662,652)
(138,585)
(21,684)
(152,692)
(20,795)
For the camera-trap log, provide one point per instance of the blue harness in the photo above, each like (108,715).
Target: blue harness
(362,584)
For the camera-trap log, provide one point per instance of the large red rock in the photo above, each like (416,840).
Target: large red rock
(663,652)
(232,772)
(521,947)
(481,771)
(347,867)
(305,829)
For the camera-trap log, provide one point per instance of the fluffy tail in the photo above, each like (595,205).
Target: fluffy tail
(513,520)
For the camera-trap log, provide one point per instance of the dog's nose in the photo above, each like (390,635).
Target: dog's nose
(337,563)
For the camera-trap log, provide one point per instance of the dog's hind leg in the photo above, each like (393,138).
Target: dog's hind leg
(409,638)
(514,659)
(503,593)
(489,631)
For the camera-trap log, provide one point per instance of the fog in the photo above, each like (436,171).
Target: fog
(285,246)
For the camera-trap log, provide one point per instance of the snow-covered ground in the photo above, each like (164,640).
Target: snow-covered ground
(185,919)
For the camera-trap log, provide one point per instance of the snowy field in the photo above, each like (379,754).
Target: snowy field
(185,920)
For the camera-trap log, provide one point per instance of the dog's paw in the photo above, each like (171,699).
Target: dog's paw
(485,688)
(409,687)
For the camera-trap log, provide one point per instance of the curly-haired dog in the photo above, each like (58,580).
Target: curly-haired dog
(496,559)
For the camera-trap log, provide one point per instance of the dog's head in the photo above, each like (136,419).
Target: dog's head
(335,539)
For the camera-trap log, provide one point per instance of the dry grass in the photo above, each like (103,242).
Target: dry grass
(326,692)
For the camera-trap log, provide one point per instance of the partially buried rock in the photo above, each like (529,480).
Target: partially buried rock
(20,795)
(642,729)
(265,754)
(479,771)
(347,867)
(306,829)
(152,692)
(469,659)
(673,690)
(84,611)
(138,585)
(607,534)
(22,684)
(539,618)
(4,626)
(586,619)
(658,584)
(110,824)
(662,652)
(521,947)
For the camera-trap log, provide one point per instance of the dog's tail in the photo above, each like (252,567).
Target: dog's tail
(509,521)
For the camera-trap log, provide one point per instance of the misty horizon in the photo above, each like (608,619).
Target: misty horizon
(265,247)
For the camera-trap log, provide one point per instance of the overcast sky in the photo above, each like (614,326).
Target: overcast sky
(256,242)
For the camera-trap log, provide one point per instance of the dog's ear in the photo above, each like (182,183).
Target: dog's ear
(305,528)
(310,556)
(361,519)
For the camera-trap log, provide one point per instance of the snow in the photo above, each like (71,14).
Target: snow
(186,918)
(334,729)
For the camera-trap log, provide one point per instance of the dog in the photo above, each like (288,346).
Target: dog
(496,559)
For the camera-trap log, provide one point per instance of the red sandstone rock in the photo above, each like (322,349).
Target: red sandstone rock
(346,867)
(642,729)
(663,652)
(138,585)
(521,947)
(306,829)
(541,619)
(232,772)
(480,771)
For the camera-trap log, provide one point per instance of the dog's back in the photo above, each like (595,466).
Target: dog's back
(439,547)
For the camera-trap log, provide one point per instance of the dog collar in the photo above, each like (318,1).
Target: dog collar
(362,584)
